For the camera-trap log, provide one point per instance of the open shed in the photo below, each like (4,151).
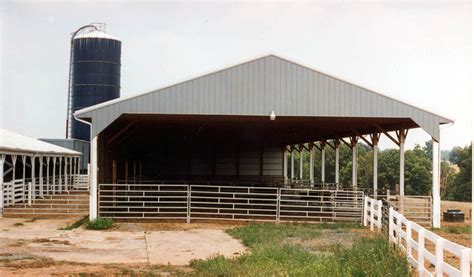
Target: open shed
(236,127)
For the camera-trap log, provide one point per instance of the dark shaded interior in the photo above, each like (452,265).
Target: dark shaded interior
(211,148)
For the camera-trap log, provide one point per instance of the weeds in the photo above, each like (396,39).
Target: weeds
(18,224)
(465,229)
(100,223)
(271,255)
(75,224)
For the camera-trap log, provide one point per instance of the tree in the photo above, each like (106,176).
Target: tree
(417,172)
(460,186)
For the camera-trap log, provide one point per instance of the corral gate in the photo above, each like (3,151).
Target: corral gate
(208,202)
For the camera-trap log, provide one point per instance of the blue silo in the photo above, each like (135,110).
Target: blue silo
(94,74)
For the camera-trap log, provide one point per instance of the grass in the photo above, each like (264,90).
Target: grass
(100,223)
(464,229)
(18,224)
(271,254)
(75,224)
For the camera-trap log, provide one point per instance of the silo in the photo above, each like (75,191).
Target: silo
(94,74)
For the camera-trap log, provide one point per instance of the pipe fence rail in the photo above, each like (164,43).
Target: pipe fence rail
(425,250)
(210,202)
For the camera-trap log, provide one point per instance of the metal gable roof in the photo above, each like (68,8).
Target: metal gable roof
(258,87)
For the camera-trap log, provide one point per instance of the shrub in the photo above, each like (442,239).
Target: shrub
(100,223)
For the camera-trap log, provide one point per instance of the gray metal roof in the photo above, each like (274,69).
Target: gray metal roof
(257,88)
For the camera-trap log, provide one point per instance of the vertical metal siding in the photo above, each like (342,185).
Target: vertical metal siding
(263,85)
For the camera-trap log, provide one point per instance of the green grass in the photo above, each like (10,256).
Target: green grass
(271,254)
(466,229)
(75,224)
(100,223)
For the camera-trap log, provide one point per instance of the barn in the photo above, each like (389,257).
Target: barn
(221,145)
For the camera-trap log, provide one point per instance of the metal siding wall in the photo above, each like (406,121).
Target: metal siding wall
(272,161)
(263,85)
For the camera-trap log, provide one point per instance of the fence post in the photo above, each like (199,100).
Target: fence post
(439,256)
(421,251)
(408,238)
(465,262)
(379,214)
(188,213)
(278,205)
(399,227)
(371,214)
(390,224)
(365,210)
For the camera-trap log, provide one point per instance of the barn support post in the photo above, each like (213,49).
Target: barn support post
(301,162)
(375,147)
(337,143)
(401,139)
(31,185)
(311,163)
(47,175)
(66,179)
(93,180)
(323,167)
(292,161)
(14,157)
(2,162)
(54,175)
(23,159)
(354,161)
(436,185)
(71,168)
(60,181)
(285,166)
(41,176)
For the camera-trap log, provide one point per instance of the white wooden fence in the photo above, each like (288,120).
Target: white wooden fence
(424,249)
(22,191)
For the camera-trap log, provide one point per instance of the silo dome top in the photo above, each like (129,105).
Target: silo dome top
(96,34)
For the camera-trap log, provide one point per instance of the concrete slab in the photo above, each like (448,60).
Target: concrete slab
(177,247)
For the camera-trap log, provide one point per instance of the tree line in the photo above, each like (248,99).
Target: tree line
(456,168)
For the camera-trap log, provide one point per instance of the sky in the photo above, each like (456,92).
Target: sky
(419,52)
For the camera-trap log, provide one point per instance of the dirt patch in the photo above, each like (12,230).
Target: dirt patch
(465,207)
(172,226)
(53,241)
(462,239)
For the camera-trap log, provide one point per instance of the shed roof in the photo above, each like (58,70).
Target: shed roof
(258,87)
(16,144)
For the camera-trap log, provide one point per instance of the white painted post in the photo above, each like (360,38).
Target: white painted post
(366,206)
(375,185)
(41,176)
(54,175)
(390,225)
(292,156)
(421,251)
(2,162)
(465,262)
(402,169)
(436,186)
(372,210)
(66,181)
(311,165)
(71,168)
(408,238)
(379,214)
(14,157)
(23,158)
(60,181)
(285,167)
(301,164)
(399,227)
(31,185)
(93,180)
(323,167)
(337,164)
(78,164)
(439,256)
(47,176)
